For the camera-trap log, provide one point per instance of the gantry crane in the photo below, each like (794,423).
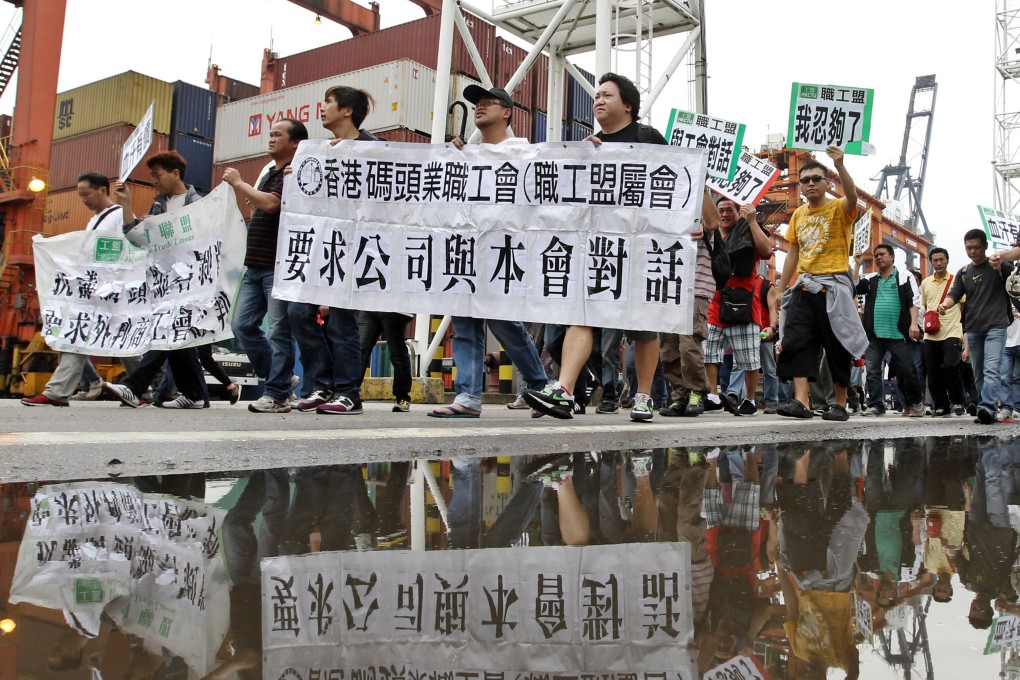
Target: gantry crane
(907,182)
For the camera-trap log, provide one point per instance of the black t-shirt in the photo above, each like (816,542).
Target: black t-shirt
(987,304)
(262,230)
(634,133)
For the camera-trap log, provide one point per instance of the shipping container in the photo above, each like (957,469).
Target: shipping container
(403,135)
(521,123)
(459,84)
(414,40)
(97,151)
(575,131)
(6,122)
(539,127)
(250,170)
(64,211)
(540,82)
(119,99)
(579,102)
(194,111)
(508,57)
(403,91)
(199,154)
(232,90)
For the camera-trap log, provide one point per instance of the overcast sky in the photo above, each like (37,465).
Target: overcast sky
(755,51)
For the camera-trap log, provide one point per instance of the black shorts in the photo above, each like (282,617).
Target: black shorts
(806,331)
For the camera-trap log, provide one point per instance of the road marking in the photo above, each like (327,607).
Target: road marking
(362,434)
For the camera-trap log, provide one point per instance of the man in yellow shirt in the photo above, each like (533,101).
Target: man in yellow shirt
(820,311)
(943,349)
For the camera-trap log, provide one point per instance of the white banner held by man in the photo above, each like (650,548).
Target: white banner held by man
(137,145)
(753,178)
(862,232)
(613,609)
(101,294)
(150,562)
(567,233)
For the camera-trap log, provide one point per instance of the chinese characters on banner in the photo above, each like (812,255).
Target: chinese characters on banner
(150,562)
(721,139)
(101,294)
(613,609)
(564,232)
(1004,634)
(862,232)
(1001,228)
(737,668)
(137,145)
(753,178)
(824,115)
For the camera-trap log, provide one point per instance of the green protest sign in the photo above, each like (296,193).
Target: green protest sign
(824,115)
(721,139)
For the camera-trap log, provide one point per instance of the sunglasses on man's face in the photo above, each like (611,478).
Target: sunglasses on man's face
(811,179)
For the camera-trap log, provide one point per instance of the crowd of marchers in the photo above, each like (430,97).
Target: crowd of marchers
(822,341)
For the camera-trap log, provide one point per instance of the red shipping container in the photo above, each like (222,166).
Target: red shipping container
(250,169)
(97,151)
(403,135)
(521,123)
(540,78)
(508,57)
(415,40)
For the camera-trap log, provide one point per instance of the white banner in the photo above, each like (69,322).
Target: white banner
(721,139)
(611,609)
(101,294)
(137,145)
(562,233)
(150,562)
(753,178)
(862,232)
(737,668)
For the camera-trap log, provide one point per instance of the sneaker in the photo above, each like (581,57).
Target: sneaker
(642,407)
(392,540)
(908,412)
(874,411)
(546,467)
(959,410)
(731,402)
(608,406)
(627,403)
(401,406)
(90,394)
(640,464)
(341,406)
(124,393)
(673,410)
(266,404)
(820,411)
(553,400)
(1016,416)
(295,381)
(313,401)
(43,400)
(837,413)
(1005,415)
(363,542)
(695,405)
(746,408)
(770,409)
(984,416)
(578,408)
(795,409)
(919,412)
(181,402)
(940,413)
(518,404)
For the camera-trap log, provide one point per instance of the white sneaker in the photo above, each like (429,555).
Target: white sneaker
(181,402)
(124,393)
(313,401)
(93,392)
(1004,415)
(642,409)
(266,404)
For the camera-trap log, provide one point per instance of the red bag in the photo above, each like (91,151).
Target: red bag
(932,323)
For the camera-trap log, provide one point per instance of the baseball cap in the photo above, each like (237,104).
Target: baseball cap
(475,92)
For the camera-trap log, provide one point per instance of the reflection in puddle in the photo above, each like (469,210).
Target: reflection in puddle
(803,560)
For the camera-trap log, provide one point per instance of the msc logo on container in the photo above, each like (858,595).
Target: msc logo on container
(65,112)
(255,125)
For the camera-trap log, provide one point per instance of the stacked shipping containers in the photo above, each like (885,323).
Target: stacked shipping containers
(92,123)
(192,127)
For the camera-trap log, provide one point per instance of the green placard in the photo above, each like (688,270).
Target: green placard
(824,115)
(109,249)
(88,591)
(722,140)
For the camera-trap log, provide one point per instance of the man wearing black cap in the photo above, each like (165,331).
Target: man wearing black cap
(493,111)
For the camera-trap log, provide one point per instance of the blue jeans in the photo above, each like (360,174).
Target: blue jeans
(311,340)
(611,338)
(465,510)
(770,380)
(1010,395)
(89,376)
(986,360)
(266,492)
(469,355)
(271,358)
(994,484)
(344,337)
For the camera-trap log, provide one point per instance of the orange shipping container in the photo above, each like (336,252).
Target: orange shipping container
(65,212)
(97,151)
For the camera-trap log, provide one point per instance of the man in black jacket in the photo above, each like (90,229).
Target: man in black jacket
(890,318)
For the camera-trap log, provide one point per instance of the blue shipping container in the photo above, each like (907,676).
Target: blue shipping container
(199,155)
(579,102)
(575,131)
(540,127)
(193,112)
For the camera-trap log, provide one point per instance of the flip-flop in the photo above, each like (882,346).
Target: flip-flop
(450,412)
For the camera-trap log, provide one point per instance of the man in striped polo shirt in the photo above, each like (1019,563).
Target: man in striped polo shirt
(890,317)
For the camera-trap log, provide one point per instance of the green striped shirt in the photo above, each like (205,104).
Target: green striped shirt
(887,308)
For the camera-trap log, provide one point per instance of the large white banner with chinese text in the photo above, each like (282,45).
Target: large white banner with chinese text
(172,285)
(611,609)
(562,233)
(150,562)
